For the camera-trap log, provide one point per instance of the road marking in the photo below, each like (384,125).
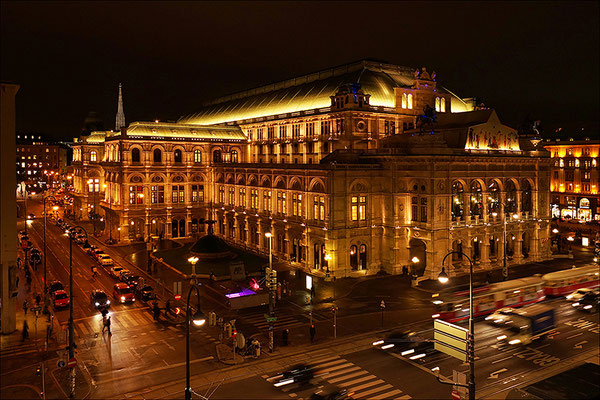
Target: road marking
(579,345)
(366,385)
(334,374)
(570,337)
(405,397)
(371,391)
(387,395)
(345,377)
(494,375)
(502,359)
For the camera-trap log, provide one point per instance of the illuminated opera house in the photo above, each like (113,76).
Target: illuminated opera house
(355,169)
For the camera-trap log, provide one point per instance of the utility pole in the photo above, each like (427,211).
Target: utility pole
(271,281)
(71,328)
(504,267)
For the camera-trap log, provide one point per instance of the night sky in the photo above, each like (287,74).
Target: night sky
(538,59)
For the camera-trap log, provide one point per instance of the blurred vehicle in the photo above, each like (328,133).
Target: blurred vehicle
(54,286)
(400,341)
(300,374)
(146,292)
(500,316)
(590,302)
(529,324)
(123,293)
(115,271)
(21,234)
(579,293)
(561,283)
(330,392)
(99,299)
(31,216)
(105,260)
(60,299)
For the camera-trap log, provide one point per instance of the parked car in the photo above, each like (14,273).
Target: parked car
(97,253)
(80,238)
(105,260)
(99,299)
(116,271)
(60,299)
(54,286)
(123,293)
(123,274)
(132,280)
(146,292)
(92,250)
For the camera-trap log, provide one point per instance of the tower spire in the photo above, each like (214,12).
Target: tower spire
(120,121)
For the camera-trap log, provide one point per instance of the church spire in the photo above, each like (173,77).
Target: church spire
(120,121)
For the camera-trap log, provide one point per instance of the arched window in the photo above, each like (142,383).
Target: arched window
(197,156)
(157,156)
(177,156)
(437,104)
(526,197)
(493,198)
(234,156)
(93,156)
(442,105)
(217,156)
(174,230)
(410,101)
(458,201)
(362,257)
(476,249)
(511,198)
(135,155)
(182,227)
(354,257)
(476,199)
(404,100)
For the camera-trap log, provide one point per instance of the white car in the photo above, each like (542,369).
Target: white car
(105,260)
(501,315)
(578,294)
(116,271)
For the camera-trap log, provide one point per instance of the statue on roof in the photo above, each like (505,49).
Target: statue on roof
(416,74)
(424,74)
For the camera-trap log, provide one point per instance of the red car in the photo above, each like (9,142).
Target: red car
(123,293)
(60,299)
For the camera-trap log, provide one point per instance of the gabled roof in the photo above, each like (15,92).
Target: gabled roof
(308,92)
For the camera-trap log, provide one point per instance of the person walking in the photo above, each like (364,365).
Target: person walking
(313,331)
(107,326)
(25,330)
(284,337)
(156,310)
(25,305)
(168,307)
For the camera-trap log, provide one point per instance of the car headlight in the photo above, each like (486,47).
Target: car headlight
(515,341)
(97,304)
(122,298)
(575,304)
(133,299)
(569,296)
(107,301)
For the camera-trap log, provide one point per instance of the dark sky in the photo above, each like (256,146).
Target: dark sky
(537,58)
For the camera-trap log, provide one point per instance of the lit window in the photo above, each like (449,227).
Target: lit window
(93,156)
(437,104)
(404,100)
(359,208)
(410,101)
(267,200)
(443,105)
(297,205)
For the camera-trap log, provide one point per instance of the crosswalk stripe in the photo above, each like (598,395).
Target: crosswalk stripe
(337,367)
(146,317)
(406,397)
(387,395)
(358,380)
(83,328)
(318,360)
(330,363)
(345,371)
(372,391)
(366,385)
(346,377)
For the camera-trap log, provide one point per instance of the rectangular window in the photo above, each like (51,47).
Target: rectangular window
(297,204)
(221,194)
(319,208)
(423,210)
(197,193)
(358,207)
(254,199)
(569,175)
(134,194)
(271,132)
(178,194)
(415,209)
(310,129)
(267,200)
(282,131)
(232,196)
(555,174)
(586,175)
(325,128)
(242,195)
(296,131)
(260,133)
(157,194)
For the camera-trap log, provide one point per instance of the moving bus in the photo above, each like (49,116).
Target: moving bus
(453,307)
(561,283)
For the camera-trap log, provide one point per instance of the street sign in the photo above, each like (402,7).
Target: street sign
(455,395)
(72,363)
(60,364)
(450,339)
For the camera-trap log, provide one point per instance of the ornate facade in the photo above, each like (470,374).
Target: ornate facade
(357,169)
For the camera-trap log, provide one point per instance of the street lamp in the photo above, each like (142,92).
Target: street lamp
(71,234)
(327,258)
(193,261)
(45,278)
(269,236)
(443,278)
(198,319)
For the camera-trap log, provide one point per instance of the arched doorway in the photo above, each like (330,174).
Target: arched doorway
(362,257)
(418,249)
(182,227)
(174,228)
(136,229)
(354,257)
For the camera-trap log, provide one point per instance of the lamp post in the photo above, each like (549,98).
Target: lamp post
(199,319)
(193,261)
(71,234)
(443,278)
(327,258)
(504,264)
(119,232)
(269,236)
(45,279)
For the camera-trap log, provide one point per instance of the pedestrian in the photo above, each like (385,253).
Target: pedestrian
(25,305)
(107,326)
(313,331)
(25,330)
(168,307)
(37,300)
(284,337)
(156,310)
(278,291)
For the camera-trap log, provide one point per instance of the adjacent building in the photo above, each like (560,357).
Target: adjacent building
(41,163)
(361,168)
(575,180)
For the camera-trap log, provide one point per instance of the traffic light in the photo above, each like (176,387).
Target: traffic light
(38,371)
